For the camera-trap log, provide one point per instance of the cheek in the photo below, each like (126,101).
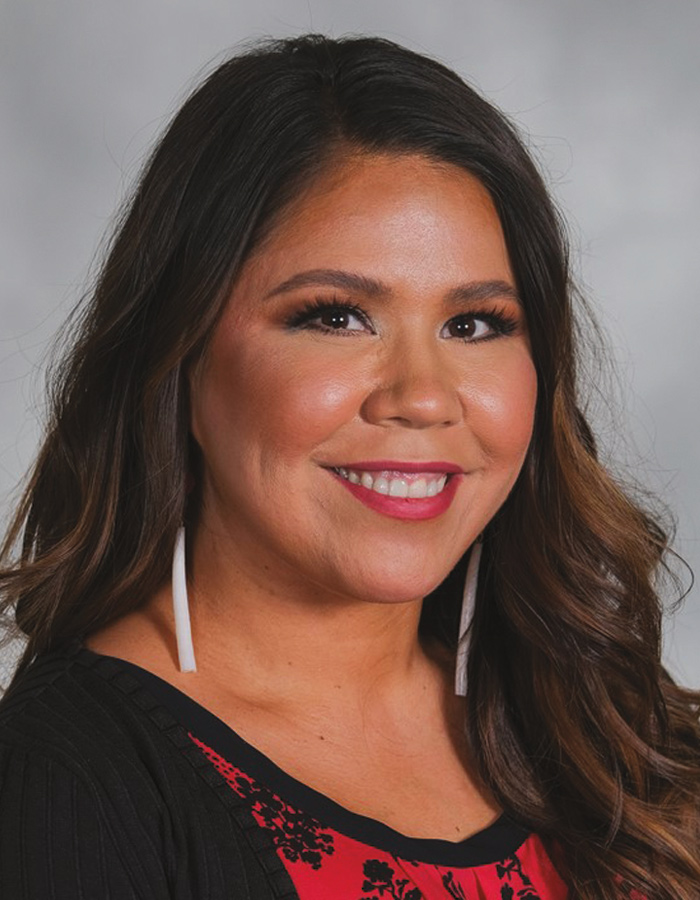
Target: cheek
(272,402)
(503,407)
(304,405)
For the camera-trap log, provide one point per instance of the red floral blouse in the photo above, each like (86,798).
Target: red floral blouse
(330,852)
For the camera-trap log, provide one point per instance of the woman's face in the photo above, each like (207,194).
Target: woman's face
(368,396)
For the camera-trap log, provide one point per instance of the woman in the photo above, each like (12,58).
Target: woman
(331,357)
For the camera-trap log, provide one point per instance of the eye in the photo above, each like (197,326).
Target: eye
(473,327)
(321,315)
(339,318)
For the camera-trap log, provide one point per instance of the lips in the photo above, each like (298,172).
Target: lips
(403,490)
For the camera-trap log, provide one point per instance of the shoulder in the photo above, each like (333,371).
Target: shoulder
(75,785)
(108,786)
(87,715)
(78,717)
(76,708)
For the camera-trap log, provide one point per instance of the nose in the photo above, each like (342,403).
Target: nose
(415,388)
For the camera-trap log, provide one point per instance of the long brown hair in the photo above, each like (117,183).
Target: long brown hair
(573,722)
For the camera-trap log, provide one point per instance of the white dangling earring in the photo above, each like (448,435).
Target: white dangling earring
(183,631)
(465,619)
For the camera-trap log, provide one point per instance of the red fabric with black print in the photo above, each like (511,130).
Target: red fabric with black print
(325,863)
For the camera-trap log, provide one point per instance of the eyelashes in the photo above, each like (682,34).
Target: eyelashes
(482,325)
(336,316)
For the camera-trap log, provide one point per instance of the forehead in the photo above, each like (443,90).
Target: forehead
(390,217)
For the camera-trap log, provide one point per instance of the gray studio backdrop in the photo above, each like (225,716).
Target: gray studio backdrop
(607,92)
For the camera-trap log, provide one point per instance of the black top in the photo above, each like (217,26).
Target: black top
(103,794)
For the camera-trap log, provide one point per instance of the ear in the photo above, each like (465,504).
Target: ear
(192,372)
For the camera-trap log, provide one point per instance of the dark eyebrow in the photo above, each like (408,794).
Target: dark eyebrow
(347,281)
(478,291)
(474,291)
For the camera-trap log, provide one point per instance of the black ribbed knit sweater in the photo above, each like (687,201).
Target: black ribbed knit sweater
(103,796)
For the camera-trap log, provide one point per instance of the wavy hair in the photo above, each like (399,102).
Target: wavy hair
(573,723)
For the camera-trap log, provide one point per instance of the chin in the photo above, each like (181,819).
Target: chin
(397,585)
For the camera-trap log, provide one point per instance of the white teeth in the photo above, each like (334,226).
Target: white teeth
(398,488)
(385,483)
(418,488)
(381,485)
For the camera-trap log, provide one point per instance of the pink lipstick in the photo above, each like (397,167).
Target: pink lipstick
(402,490)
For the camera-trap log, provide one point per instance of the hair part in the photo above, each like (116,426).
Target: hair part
(573,723)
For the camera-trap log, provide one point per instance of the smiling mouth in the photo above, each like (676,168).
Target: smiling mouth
(393,483)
